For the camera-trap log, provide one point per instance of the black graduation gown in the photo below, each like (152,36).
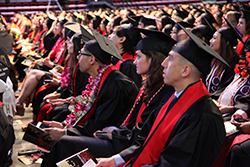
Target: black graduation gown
(122,137)
(195,140)
(129,69)
(116,97)
(125,135)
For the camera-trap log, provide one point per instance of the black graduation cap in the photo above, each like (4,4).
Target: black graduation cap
(232,34)
(80,29)
(245,7)
(164,13)
(203,31)
(155,41)
(184,24)
(197,52)
(209,17)
(245,14)
(131,20)
(147,21)
(102,48)
(166,20)
(136,18)
(209,25)
(179,14)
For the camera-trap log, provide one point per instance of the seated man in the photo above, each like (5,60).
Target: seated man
(188,130)
(115,93)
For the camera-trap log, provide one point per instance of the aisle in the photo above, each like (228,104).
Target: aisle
(20,144)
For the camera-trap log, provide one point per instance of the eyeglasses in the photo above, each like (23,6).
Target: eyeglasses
(85,54)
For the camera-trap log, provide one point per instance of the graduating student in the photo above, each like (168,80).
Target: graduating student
(108,97)
(223,42)
(148,63)
(125,38)
(188,130)
(244,27)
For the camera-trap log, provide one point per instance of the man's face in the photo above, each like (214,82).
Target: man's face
(172,68)
(84,60)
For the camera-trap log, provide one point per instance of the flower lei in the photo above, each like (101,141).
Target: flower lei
(85,101)
(65,77)
(243,67)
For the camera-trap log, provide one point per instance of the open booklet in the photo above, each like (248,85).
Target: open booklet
(34,134)
(230,128)
(80,159)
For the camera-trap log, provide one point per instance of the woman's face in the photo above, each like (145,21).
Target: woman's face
(215,42)
(242,26)
(58,29)
(102,27)
(70,45)
(142,63)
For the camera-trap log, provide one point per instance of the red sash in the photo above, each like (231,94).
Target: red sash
(126,56)
(165,123)
(125,122)
(239,48)
(38,36)
(138,119)
(56,48)
(93,108)
(74,79)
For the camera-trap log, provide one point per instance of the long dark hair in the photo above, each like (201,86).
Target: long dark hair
(227,52)
(154,78)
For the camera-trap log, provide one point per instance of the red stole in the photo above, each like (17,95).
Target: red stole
(93,108)
(56,48)
(164,123)
(126,56)
(143,106)
(38,36)
(74,79)
(239,48)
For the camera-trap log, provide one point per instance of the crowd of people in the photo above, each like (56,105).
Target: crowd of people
(137,87)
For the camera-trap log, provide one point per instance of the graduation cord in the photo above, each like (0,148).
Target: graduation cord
(125,122)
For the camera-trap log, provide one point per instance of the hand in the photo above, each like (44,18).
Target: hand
(53,133)
(94,134)
(48,63)
(226,109)
(58,102)
(54,124)
(106,162)
(245,127)
(109,129)
(54,82)
(51,96)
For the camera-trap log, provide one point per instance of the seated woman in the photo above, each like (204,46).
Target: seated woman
(125,39)
(244,27)
(29,84)
(148,63)
(223,41)
(238,155)
(56,55)
(72,85)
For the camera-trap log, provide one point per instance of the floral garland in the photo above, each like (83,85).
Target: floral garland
(65,77)
(243,67)
(85,101)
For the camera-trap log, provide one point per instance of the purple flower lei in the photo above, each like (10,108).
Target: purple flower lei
(85,101)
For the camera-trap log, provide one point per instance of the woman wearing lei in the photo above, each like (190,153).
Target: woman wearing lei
(238,153)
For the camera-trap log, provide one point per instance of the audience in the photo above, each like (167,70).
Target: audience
(92,103)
